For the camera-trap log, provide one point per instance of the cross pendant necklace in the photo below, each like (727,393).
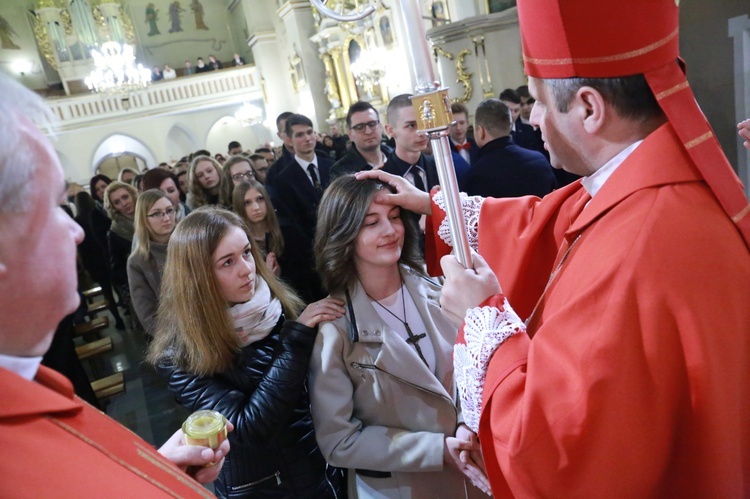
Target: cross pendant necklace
(413,339)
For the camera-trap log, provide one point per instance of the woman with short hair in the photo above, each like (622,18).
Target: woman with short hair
(383,396)
(227,341)
(154,222)
(204,177)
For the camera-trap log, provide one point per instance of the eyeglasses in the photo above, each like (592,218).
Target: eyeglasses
(159,214)
(239,176)
(360,127)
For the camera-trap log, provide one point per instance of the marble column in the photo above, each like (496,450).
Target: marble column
(272,65)
(299,25)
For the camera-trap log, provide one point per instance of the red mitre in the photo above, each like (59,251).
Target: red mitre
(604,39)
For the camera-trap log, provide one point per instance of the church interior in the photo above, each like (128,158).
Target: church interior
(293,59)
(301,61)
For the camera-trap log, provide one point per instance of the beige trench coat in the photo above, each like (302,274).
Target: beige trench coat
(376,407)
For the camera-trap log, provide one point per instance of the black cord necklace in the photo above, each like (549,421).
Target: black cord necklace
(413,339)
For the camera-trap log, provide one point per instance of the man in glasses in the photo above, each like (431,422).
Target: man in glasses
(365,131)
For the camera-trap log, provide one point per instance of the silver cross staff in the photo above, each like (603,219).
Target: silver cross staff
(434,117)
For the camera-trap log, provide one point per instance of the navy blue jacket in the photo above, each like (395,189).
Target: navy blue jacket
(504,169)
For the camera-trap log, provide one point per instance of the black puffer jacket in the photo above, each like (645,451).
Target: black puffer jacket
(274,453)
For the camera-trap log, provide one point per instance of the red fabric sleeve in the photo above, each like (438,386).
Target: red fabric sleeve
(434,247)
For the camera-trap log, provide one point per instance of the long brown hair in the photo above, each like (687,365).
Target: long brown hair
(194,326)
(226,186)
(143,233)
(340,216)
(276,240)
(198,193)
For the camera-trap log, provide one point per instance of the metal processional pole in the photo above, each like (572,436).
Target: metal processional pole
(434,117)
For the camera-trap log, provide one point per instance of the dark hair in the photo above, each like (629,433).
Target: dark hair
(398,102)
(84,204)
(494,116)
(153,178)
(137,181)
(95,180)
(631,96)
(296,119)
(523,91)
(263,149)
(282,117)
(256,157)
(201,152)
(340,215)
(233,144)
(358,107)
(510,95)
(457,107)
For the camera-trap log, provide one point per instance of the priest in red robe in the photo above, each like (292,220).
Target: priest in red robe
(605,346)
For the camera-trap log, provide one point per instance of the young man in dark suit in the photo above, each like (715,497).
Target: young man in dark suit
(460,142)
(296,195)
(408,159)
(367,151)
(287,149)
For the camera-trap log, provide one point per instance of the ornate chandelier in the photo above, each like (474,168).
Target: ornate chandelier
(116,71)
(249,115)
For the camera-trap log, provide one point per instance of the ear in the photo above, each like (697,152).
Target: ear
(479,133)
(389,129)
(591,109)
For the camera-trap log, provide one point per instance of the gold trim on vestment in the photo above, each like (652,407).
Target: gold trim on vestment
(739,216)
(145,452)
(698,140)
(114,458)
(673,90)
(607,58)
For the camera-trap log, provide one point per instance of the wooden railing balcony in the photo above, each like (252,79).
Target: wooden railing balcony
(232,85)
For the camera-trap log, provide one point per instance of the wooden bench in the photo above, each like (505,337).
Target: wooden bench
(94,326)
(109,386)
(90,293)
(94,348)
(98,306)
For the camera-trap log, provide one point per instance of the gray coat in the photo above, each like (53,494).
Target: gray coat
(377,407)
(144,277)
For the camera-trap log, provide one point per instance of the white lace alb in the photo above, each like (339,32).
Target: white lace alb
(471,206)
(485,329)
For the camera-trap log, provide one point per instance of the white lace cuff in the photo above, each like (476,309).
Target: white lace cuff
(485,329)
(471,206)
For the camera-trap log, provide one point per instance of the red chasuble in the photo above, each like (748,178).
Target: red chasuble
(633,379)
(56,445)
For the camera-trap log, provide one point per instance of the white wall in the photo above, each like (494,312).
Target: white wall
(157,135)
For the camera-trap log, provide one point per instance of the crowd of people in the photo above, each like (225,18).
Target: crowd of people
(597,345)
(168,73)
